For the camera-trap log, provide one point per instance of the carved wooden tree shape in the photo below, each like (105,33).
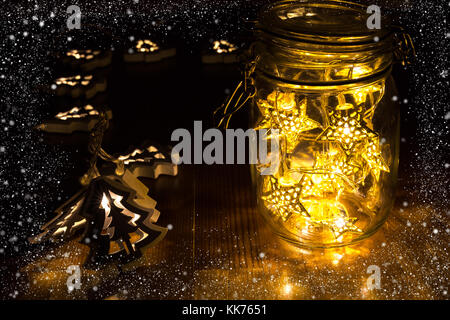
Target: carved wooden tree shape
(119,227)
(117,220)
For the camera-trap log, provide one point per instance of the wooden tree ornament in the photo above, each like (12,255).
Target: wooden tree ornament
(148,51)
(79,86)
(113,212)
(220,51)
(87,59)
(116,218)
(75,119)
(148,161)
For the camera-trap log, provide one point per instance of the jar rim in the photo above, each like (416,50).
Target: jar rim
(331,22)
(320,85)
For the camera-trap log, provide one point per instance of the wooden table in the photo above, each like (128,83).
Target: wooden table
(221,248)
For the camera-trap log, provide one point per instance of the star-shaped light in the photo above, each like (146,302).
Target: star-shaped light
(374,92)
(280,111)
(341,225)
(334,171)
(371,153)
(346,128)
(283,198)
(317,186)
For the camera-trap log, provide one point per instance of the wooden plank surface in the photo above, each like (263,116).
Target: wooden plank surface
(221,248)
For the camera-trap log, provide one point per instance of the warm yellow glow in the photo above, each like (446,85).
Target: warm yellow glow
(77,112)
(62,227)
(83,54)
(354,71)
(284,200)
(287,289)
(107,229)
(371,152)
(346,127)
(74,81)
(347,155)
(105,204)
(281,111)
(131,157)
(146,46)
(337,258)
(223,46)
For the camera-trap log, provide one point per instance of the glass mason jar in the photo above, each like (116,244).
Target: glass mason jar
(323,80)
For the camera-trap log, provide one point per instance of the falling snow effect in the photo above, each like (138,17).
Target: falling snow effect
(32,171)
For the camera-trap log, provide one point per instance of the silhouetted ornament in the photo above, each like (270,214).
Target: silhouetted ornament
(149,161)
(115,216)
(220,51)
(87,59)
(145,50)
(79,86)
(76,119)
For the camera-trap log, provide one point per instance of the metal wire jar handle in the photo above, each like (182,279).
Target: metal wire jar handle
(244,91)
(405,51)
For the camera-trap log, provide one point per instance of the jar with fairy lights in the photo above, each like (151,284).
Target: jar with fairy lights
(324,90)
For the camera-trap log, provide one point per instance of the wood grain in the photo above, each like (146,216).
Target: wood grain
(221,248)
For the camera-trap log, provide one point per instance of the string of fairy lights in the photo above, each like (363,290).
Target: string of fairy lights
(346,153)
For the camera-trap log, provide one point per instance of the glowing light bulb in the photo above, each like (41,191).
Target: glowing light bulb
(146,46)
(223,46)
(287,289)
